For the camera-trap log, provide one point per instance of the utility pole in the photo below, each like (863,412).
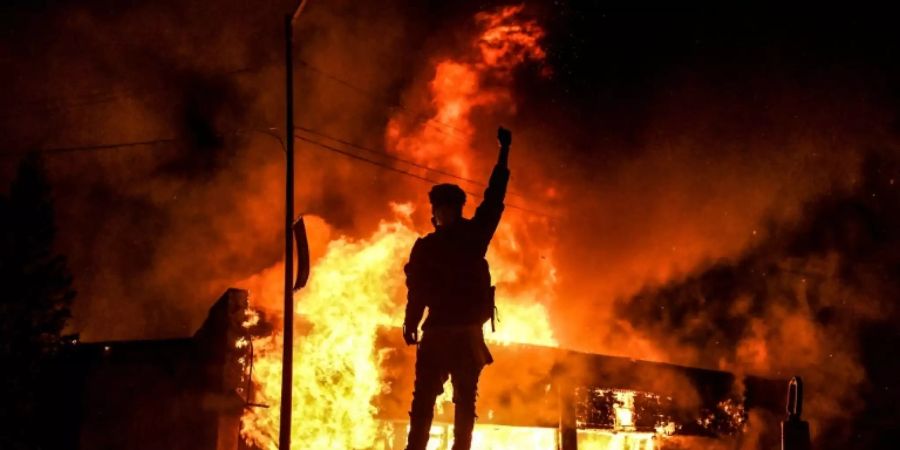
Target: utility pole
(287,360)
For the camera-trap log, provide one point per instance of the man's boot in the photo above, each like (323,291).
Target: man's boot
(420,417)
(419,430)
(463,424)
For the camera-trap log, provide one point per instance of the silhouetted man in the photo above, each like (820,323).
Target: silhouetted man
(448,273)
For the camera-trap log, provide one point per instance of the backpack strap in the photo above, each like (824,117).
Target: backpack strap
(492,304)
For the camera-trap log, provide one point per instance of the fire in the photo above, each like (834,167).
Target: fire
(458,87)
(508,41)
(357,287)
(445,142)
(352,293)
(496,437)
(625,411)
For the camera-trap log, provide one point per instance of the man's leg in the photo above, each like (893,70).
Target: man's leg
(428,385)
(465,389)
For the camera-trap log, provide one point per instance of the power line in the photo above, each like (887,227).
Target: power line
(407,173)
(60,105)
(380,98)
(39,106)
(99,97)
(58,150)
(153,142)
(363,159)
(385,154)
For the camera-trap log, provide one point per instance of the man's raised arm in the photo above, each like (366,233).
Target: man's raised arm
(491,208)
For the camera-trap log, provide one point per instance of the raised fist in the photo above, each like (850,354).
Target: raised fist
(504,136)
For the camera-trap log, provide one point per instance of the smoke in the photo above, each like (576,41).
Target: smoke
(747,228)
(157,232)
(672,188)
(707,176)
(815,298)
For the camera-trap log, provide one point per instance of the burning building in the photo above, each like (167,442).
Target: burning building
(352,376)
(190,393)
(671,230)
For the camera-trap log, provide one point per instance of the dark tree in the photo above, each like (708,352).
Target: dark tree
(35,296)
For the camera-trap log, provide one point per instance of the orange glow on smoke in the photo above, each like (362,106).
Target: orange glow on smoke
(508,41)
(357,286)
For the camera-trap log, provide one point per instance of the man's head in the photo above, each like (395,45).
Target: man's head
(447,202)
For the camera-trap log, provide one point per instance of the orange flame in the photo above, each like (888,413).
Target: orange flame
(355,287)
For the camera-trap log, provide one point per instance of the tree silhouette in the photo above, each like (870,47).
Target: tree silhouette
(35,296)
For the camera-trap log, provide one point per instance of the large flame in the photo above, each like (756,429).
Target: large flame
(357,286)
(336,376)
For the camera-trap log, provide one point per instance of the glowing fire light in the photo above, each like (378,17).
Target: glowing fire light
(624,410)
(356,288)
